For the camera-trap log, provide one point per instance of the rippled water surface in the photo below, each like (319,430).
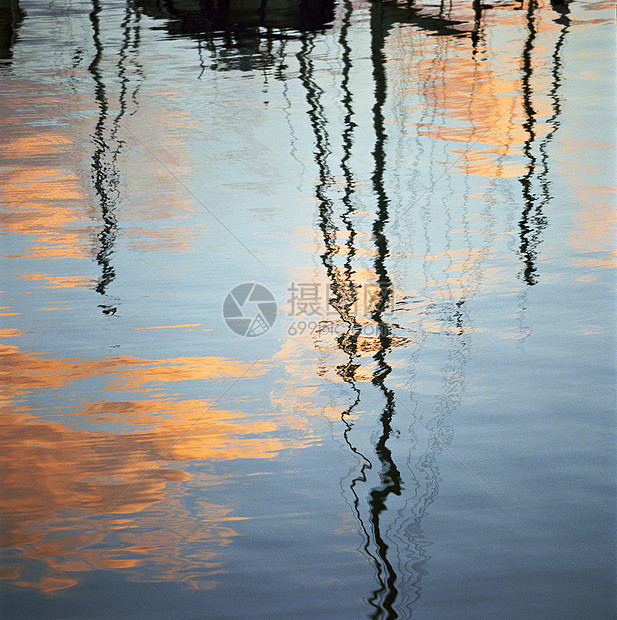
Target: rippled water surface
(427,430)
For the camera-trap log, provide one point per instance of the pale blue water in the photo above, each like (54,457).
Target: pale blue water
(428,428)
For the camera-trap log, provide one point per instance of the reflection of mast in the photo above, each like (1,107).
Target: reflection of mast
(560,7)
(477,23)
(395,547)
(533,220)
(345,302)
(105,174)
(100,173)
(344,295)
(564,21)
(530,232)
(384,597)
(394,541)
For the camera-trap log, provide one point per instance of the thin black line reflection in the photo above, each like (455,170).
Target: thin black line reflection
(105,167)
(396,547)
(344,296)
(101,172)
(104,173)
(384,597)
(560,7)
(533,221)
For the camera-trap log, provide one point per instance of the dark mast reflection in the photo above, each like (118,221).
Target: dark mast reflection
(533,220)
(562,10)
(397,551)
(344,296)
(107,235)
(105,167)
(383,598)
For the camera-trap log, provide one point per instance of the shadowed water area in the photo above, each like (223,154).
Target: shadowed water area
(415,417)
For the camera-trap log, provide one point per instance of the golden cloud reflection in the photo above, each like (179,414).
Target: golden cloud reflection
(487,107)
(595,223)
(44,196)
(57,281)
(50,200)
(10,333)
(25,371)
(183,326)
(93,484)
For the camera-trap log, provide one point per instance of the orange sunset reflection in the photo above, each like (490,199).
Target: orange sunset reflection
(93,484)
(49,197)
(492,104)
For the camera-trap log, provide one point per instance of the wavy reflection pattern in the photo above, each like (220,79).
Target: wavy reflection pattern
(393,488)
(107,143)
(108,484)
(373,213)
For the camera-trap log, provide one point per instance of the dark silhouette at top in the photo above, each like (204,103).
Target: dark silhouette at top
(11,17)
(241,17)
(233,30)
